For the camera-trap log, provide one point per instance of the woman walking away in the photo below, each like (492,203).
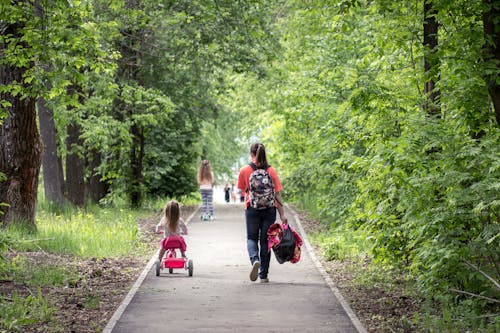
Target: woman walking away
(260,182)
(206,182)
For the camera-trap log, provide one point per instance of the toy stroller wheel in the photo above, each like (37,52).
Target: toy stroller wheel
(170,270)
(158,268)
(190,267)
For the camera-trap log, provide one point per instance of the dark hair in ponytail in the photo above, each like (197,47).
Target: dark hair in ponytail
(259,151)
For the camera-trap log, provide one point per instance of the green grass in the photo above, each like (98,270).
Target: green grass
(30,273)
(92,302)
(93,232)
(20,311)
(341,244)
(103,232)
(157,203)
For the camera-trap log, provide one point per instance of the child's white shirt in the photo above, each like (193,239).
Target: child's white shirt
(163,224)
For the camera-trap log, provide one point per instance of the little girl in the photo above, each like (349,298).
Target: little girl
(172,224)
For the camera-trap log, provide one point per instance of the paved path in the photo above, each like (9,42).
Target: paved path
(219,297)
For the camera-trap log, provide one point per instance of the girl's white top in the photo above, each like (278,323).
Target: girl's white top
(182,230)
(206,184)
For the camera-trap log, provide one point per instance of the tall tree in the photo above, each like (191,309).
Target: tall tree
(20,143)
(131,49)
(53,178)
(491,28)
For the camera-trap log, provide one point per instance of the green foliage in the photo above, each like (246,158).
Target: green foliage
(168,79)
(5,244)
(223,145)
(142,80)
(466,317)
(348,131)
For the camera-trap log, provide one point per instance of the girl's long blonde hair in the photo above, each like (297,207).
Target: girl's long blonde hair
(172,215)
(205,172)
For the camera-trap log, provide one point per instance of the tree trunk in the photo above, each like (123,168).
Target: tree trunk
(97,188)
(136,160)
(431,62)
(21,148)
(491,28)
(20,157)
(20,154)
(52,173)
(75,186)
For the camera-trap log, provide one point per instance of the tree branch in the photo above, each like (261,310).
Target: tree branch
(495,283)
(475,295)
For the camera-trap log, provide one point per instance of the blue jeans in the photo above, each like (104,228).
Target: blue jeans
(258,221)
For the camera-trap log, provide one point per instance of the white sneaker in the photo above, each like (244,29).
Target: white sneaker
(265,280)
(255,270)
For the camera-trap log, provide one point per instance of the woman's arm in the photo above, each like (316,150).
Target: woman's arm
(279,206)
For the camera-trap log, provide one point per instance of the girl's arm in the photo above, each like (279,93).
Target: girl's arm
(183,227)
(160,224)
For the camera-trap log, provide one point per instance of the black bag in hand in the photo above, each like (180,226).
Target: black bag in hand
(285,249)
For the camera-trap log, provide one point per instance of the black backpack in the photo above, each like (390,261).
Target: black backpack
(286,248)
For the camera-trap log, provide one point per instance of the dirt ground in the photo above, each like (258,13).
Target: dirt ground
(86,304)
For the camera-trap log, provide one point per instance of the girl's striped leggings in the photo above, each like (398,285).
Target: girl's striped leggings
(207,206)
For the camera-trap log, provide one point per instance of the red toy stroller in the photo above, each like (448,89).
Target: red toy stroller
(170,260)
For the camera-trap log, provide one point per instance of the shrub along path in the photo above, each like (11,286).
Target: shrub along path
(221,298)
